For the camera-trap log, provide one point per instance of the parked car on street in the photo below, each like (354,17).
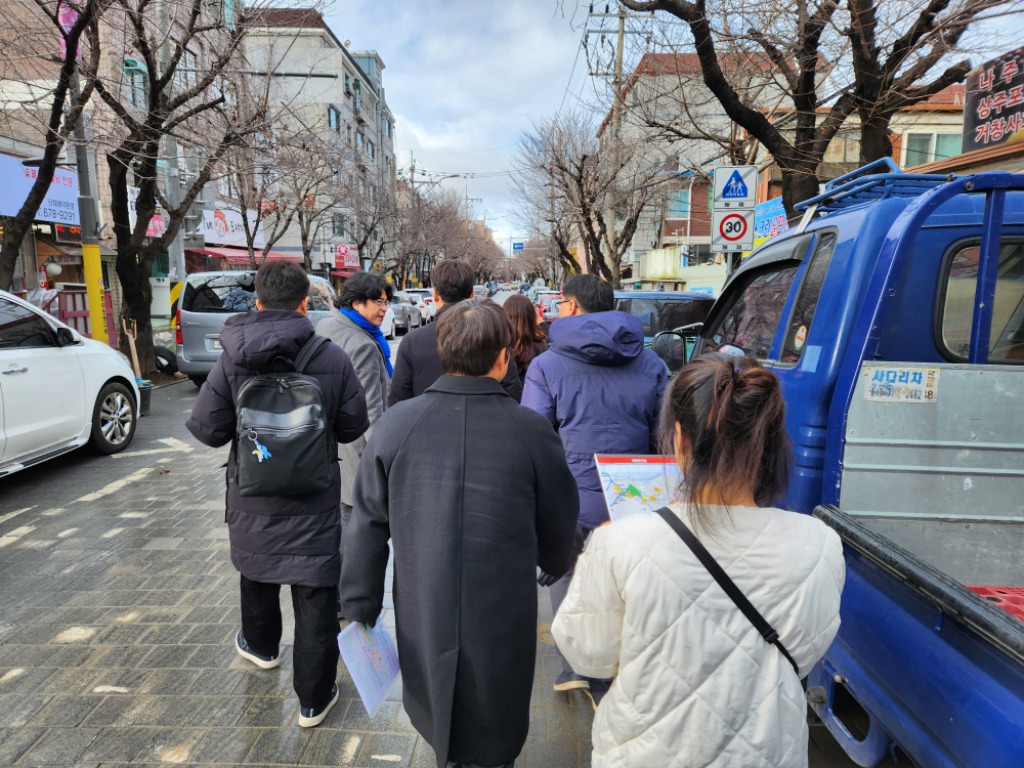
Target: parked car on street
(58,390)
(425,301)
(407,312)
(480,292)
(206,301)
(665,310)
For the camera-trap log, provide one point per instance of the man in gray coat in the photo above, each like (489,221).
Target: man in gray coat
(356,329)
(474,493)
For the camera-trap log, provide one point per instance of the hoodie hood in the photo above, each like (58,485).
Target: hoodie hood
(599,338)
(253,340)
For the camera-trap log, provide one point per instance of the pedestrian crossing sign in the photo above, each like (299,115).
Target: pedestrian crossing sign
(735,186)
(735,189)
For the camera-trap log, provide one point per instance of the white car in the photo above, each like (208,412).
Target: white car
(58,390)
(425,302)
(388,326)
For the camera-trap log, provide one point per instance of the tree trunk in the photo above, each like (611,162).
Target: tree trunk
(874,138)
(799,182)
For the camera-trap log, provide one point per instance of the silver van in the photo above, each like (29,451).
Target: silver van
(209,297)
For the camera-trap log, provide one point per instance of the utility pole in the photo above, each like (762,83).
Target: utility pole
(613,256)
(91,263)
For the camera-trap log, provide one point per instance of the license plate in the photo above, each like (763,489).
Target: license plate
(216,344)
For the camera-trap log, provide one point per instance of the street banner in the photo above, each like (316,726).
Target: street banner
(156,226)
(769,220)
(61,202)
(994,104)
(224,227)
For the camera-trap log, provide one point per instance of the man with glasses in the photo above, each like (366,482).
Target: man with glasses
(418,364)
(355,327)
(602,392)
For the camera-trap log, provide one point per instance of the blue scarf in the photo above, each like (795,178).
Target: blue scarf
(375,332)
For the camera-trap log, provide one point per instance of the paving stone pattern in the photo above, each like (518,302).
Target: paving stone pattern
(118,609)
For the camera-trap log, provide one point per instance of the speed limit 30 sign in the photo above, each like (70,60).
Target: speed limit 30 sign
(732,230)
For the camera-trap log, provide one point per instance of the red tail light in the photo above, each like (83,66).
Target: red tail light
(177,328)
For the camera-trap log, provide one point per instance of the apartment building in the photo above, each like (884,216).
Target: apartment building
(333,97)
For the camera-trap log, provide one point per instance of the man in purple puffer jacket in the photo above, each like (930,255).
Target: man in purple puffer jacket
(602,392)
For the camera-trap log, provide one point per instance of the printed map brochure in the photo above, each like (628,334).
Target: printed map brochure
(372,660)
(634,484)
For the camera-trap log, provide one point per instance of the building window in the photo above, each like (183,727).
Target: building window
(679,204)
(927,147)
(370,150)
(337,225)
(387,127)
(358,95)
(348,84)
(348,132)
(136,79)
(359,140)
(334,119)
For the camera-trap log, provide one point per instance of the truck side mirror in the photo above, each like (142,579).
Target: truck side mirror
(671,347)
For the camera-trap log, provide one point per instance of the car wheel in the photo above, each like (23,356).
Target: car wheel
(113,419)
(166,360)
(197,380)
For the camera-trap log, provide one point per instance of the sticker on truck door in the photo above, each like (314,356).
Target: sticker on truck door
(902,385)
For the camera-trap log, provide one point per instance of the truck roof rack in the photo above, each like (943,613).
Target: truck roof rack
(877,180)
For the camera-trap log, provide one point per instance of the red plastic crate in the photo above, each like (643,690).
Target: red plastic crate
(1010,599)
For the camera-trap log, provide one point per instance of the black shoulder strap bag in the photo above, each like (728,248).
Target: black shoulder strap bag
(709,562)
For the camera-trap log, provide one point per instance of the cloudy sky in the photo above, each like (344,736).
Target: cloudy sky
(465,78)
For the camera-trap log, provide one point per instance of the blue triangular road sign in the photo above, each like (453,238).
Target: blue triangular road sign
(734,187)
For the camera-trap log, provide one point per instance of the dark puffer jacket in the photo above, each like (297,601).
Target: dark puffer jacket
(280,539)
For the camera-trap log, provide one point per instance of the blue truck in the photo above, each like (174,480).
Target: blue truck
(894,317)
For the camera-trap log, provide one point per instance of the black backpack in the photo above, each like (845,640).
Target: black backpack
(282,432)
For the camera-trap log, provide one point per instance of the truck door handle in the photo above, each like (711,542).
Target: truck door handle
(9,371)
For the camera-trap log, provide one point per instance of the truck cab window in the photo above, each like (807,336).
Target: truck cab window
(1006,342)
(807,299)
(751,321)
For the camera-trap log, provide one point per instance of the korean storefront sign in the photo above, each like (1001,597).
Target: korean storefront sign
(994,108)
(225,227)
(61,202)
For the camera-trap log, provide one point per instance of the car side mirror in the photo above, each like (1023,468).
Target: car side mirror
(66,337)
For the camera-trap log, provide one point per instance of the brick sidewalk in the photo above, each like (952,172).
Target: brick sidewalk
(118,609)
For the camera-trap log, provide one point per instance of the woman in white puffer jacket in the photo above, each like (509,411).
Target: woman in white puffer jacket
(695,683)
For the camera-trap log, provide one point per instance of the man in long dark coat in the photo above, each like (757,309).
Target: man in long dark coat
(475,493)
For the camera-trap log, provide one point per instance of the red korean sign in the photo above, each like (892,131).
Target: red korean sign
(994,105)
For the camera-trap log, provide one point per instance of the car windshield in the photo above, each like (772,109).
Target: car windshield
(219,293)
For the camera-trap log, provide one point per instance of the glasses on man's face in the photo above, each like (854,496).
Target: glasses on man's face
(382,303)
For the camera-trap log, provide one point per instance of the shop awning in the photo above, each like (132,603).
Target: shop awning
(239,257)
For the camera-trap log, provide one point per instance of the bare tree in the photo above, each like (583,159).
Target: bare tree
(872,57)
(42,72)
(168,94)
(370,210)
(599,189)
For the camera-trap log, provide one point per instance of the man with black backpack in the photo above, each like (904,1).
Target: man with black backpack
(284,398)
